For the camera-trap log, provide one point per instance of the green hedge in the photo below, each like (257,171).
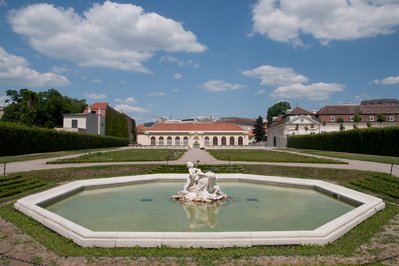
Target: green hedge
(378,141)
(18,139)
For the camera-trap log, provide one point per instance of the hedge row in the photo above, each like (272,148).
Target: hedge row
(17,139)
(378,141)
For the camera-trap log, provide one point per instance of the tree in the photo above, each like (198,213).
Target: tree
(259,130)
(340,120)
(356,118)
(380,118)
(306,129)
(277,110)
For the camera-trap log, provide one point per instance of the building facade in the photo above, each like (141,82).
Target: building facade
(85,123)
(192,135)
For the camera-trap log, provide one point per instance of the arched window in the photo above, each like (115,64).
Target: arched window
(153,141)
(161,141)
(371,118)
(169,141)
(240,141)
(231,141)
(206,141)
(391,118)
(177,141)
(185,141)
(215,141)
(332,119)
(224,142)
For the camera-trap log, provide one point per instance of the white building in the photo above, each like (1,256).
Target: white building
(192,135)
(92,121)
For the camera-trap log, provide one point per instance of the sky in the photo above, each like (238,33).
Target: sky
(185,59)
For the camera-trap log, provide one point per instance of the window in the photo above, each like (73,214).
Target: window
(185,141)
(224,141)
(391,118)
(161,143)
(153,141)
(215,141)
(240,141)
(231,141)
(74,123)
(332,119)
(169,141)
(371,118)
(177,141)
(351,118)
(206,141)
(312,126)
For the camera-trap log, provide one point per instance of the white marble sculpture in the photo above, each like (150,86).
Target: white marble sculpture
(200,187)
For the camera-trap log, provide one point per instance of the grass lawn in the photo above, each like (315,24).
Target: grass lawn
(44,155)
(351,156)
(267,156)
(345,246)
(129,155)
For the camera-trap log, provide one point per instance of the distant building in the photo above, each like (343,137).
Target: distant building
(90,121)
(332,118)
(192,134)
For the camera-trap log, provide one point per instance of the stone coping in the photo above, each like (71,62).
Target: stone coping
(327,233)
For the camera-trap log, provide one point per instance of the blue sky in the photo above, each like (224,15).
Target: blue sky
(202,58)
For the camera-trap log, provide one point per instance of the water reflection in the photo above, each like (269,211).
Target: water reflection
(201,215)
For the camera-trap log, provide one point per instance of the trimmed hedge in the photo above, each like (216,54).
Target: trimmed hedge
(377,141)
(17,139)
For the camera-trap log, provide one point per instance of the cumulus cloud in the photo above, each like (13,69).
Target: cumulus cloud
(270,75)
(156,94)
(109,35)
(125,108)
(177,76)
(220,85)
(95,96)
(127,100)
(171,59)
(288,84)
(315,92)
(286,20)
(15,71)
(387,81)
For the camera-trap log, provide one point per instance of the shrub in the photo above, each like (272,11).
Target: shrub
(378,141)
(18,139)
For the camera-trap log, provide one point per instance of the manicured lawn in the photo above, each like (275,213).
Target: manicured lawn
(345,246)
(129,155)
(266,156)
(45,155)
(351,156)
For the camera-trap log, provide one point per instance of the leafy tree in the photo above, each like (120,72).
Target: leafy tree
(380,118)
(368,124)
(259,130)
(356,118)
(277,110)
(43,109)
(340,120)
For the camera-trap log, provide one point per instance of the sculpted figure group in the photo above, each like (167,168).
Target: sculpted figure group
(200,187)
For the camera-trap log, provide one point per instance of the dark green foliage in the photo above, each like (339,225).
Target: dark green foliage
(259,130)
(117,124)
(43,109)
(18,139)
(378,141)
(277,110)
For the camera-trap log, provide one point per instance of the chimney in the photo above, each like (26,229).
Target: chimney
(89,109)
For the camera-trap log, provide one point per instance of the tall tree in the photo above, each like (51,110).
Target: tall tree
(276,110)
(380,118)
(259,129)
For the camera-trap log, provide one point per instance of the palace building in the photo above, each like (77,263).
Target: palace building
(192,134)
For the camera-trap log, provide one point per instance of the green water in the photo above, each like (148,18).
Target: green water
(148,208)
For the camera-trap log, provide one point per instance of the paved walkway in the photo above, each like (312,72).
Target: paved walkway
(205,158)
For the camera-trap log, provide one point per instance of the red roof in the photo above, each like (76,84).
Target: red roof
(95,107)
(196,127)
(299,111)
(140,129)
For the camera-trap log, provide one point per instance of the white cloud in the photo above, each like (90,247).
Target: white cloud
(4,100)
(130,109)
(315,92)
(270,75)
(98,81)
(3,3)
(260,92)
(390,80)
(156,94)
(15,71)
(60,70)
(127,100)
(287,20)
(220,85)
(95,96)
(171,59)
(109,35)
(177,76)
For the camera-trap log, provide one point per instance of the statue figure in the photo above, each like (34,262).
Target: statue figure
(200,187)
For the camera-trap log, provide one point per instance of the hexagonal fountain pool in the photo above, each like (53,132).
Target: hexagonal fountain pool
(138,211)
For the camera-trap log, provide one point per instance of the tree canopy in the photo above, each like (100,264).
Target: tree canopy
(276,110)
(43,109)
(259,129)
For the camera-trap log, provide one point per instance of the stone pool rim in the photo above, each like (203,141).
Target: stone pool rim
(327,233)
